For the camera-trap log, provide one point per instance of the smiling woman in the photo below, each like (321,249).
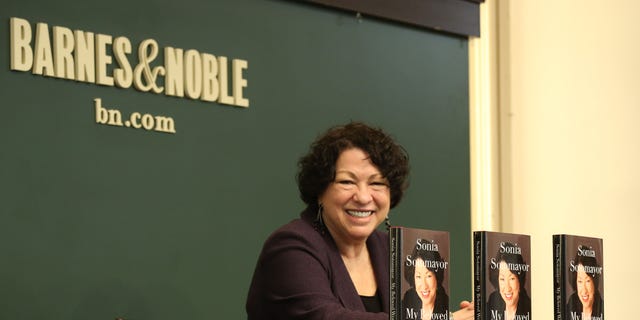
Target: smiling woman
(356,202)
(333,263)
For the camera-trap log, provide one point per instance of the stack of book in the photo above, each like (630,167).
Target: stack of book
(419,260)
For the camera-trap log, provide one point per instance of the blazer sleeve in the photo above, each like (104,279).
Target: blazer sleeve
(294,279)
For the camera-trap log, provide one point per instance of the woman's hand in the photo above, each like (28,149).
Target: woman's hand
(465,312)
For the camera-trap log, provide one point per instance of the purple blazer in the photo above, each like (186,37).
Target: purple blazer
(300,275)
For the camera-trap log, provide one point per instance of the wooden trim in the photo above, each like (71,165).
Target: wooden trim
(484,124)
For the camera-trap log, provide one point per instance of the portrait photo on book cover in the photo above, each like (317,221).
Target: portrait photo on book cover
(585,289)
(426,275)
(509,273)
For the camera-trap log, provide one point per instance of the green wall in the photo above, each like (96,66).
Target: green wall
(99,222)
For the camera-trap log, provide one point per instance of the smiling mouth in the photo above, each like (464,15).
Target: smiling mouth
(425,293)
(508,296)
(359,214)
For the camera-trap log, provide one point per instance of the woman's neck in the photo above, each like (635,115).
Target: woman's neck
(358,264)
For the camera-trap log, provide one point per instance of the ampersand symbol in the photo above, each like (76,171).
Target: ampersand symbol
(145,57)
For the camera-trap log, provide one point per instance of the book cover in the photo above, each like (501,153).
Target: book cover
(502,276)
(419,275)
(578,275)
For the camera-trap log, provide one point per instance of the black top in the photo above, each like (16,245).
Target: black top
(372,303)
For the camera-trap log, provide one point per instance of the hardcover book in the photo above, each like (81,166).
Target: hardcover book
(578,272)
(419,275)
(502,276)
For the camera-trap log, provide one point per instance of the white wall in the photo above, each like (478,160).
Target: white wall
(571,115)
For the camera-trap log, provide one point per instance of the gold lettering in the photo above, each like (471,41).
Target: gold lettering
(88,57)
(222,79)
(239,82)
(123,76)
(21,53)
(43,60)
(193,74)
(174,80)
(103,60)
(85,56)
(63,45)
(210,86)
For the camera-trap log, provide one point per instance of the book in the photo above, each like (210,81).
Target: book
(419,275)
(578,274)
(502,276)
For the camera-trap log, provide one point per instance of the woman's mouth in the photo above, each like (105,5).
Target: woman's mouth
(359,214)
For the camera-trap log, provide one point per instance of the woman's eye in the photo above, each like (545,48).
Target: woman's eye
(346,182)
(379,185)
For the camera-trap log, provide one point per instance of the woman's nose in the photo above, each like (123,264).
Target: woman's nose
(363,194)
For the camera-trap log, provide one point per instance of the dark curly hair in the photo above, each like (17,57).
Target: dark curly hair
(317,169)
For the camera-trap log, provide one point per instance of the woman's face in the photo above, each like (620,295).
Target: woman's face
(509,286)
(585,286)
(357,201)
(426,283)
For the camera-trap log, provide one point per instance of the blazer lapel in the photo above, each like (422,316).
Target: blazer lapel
(341,281)
(378,245)
(343,286)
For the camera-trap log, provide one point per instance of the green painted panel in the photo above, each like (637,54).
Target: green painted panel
(99,222)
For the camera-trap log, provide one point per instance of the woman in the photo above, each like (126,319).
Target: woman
(510,299)
(333,263)
(586,301)
(426,296)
